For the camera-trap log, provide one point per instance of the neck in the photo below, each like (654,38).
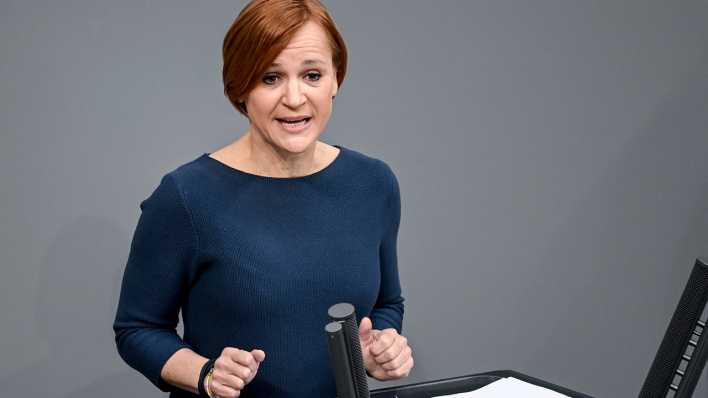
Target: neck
(268,160)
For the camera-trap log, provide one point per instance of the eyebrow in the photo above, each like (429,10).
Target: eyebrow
(305,62)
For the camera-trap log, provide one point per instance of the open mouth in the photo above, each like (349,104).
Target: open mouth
(294,122)
(295,125)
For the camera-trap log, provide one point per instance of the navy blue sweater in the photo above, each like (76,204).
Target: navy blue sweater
(255,262)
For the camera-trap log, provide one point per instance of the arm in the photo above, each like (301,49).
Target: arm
(388,310)
(182,370)
(163,257)
(385,351)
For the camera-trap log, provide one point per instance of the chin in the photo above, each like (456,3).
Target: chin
(298,144)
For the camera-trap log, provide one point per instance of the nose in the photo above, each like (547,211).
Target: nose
(294,96)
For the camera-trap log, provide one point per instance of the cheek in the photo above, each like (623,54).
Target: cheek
(261,106)
(323,102)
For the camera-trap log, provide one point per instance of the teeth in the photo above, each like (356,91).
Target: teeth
(294,125)
(294,121)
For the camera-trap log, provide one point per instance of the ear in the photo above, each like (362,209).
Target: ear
(242,101)
(335,87)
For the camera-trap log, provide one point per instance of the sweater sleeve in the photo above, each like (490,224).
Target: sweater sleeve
(388,310)
(155,283)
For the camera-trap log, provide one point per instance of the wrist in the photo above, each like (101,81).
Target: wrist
(207,383)
(205,376)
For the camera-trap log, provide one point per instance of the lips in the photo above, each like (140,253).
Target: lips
(294,124)
(293,119)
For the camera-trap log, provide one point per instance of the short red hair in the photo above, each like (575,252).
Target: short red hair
(261,31)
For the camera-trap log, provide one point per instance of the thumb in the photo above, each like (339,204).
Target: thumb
(258,355)
(365,327)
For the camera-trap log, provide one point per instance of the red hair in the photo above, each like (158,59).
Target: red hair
(261,31)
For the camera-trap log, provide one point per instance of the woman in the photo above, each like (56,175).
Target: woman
(256,240)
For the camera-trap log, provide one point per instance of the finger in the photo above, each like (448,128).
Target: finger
(398,361)
(241,357)
(230,380)
(402,371)
(244,373)
(222,390)
(394,350)
(258,355)
(252,368)
(237,355)
(379,374)
(225,366)
(365,328)
(383,341)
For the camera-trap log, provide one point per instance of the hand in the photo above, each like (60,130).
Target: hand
(233,370)
(386,353)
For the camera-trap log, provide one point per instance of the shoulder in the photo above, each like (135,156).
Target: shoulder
(380,182)
(370,167)
(191,172)
(170,192)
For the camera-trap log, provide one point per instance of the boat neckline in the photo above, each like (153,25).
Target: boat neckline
(234,170)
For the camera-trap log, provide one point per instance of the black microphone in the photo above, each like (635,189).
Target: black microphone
(339,358)
(344,315)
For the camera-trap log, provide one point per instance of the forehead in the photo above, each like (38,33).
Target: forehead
(309,43)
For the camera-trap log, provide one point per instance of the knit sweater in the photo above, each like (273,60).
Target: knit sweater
(254,262)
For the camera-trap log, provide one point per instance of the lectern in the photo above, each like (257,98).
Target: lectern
(674,372)
(350,376)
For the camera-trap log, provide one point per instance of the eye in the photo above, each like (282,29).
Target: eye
(270,78)
(313,76)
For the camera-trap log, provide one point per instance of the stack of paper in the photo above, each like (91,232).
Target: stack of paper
(508,387)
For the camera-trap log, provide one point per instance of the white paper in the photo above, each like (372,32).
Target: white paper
(508,387)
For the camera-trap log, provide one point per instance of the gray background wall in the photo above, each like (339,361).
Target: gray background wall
(551,156)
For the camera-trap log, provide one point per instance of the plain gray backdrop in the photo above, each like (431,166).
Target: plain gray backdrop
(552,157)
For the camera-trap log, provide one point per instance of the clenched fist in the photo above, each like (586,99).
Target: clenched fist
(233,370)
(386,353)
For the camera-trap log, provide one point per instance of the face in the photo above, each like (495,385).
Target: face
(291,104)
